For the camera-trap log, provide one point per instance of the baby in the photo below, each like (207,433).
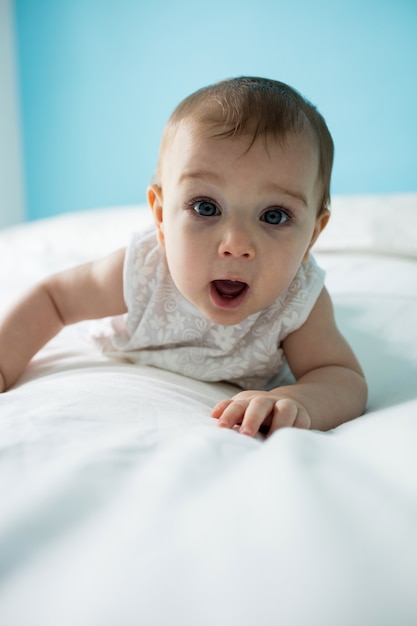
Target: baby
(223,287)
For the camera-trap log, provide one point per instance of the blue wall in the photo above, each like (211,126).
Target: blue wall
(99,78)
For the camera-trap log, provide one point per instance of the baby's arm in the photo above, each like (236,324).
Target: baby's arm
(330,388)
(88,291)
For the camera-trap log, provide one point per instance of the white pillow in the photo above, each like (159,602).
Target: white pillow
(378,224)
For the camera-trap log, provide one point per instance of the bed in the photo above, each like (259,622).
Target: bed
(122,502)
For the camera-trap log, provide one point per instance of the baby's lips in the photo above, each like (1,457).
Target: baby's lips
(229,288)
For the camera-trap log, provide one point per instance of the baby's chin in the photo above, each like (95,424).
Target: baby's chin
(227,317)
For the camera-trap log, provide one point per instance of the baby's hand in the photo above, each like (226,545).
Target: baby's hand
(253,409)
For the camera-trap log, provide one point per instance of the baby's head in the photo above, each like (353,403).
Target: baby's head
(254,107)
(241,194)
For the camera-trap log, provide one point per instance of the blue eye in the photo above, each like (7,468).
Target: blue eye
(275,217)
(205,208)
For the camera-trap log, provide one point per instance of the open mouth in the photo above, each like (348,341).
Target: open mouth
(229,293)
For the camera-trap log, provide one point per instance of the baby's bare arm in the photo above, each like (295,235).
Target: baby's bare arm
(330,387)
(89,291)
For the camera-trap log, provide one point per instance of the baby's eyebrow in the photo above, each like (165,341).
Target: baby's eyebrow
(200,175)
(295,193)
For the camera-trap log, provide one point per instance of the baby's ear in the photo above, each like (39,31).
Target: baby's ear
(321,223)
(154,194)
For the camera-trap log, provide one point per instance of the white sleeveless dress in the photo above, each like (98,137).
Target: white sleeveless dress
(165,330)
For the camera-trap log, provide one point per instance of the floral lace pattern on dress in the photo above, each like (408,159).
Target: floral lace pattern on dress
(164,330)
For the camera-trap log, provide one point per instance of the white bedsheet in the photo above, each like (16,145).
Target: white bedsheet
(122,502)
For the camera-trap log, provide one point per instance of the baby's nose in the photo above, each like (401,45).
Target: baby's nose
(237,242)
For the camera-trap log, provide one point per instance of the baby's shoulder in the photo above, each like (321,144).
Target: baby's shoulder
(296,304)
(143,248)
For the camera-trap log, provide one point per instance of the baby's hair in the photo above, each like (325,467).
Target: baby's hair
(260,107)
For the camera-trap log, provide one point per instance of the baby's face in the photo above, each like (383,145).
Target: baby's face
(235,223)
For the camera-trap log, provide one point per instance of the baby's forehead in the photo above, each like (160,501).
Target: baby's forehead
(196,130)
(194,144)
(201,148)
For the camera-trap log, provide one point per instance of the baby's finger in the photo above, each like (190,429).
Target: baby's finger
(285,414)
(257,412)
(288,413)
(233,413)
(220,407)
(303,419)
